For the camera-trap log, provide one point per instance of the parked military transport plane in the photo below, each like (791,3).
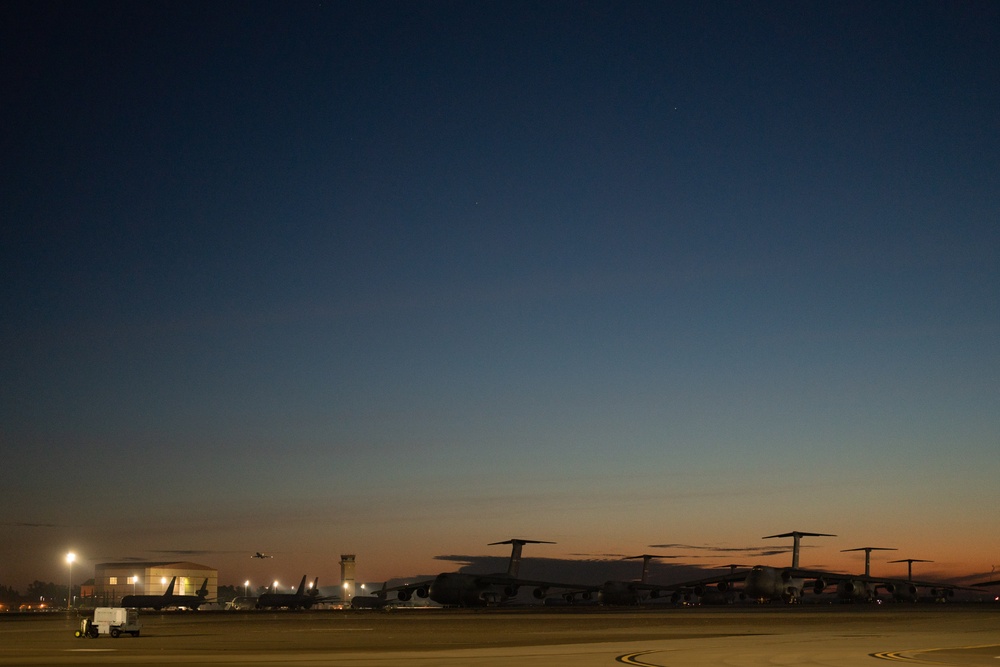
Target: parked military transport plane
(168,599)
(764,582)
(478,590)
(260,555)
(623,593)
(300,599)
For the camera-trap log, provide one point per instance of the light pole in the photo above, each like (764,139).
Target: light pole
(70,557)
(246,588)
(134,577)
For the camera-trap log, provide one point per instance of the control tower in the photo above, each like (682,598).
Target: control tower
(347,576)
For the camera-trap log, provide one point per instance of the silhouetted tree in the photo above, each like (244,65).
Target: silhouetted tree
(48,592)
(9,597)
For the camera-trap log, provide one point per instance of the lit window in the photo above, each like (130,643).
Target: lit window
(113,581)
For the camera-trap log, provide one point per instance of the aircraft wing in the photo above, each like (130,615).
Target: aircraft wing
(722,581)
(837,577)
(498,580)
(405,591)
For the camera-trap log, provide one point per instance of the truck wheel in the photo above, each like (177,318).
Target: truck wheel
(94,632)
(115,632)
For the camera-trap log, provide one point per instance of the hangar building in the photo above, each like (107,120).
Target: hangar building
(113,581)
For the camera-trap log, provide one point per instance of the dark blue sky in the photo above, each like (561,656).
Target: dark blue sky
(407,278)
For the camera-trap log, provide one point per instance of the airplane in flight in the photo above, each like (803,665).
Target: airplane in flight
(623,593)
(260,555)
(479,590)
(168,599)
(300,599)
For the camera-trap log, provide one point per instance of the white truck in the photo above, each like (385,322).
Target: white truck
(110,621)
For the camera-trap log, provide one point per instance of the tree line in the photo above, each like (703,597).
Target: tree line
(37,593)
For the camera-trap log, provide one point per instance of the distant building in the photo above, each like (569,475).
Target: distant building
(347,577)
(113,581)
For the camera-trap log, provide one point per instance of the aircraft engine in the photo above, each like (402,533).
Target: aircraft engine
(901,589)
(818,586)
(699,590)
(540,593)
(849,587)
(723,586)
(586,595)
(403,595)
(655,594)
(510,590)
(675,598)
(421,592)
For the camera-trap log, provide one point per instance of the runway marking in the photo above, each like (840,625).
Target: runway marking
(631,659)
(90,650)
(897,656)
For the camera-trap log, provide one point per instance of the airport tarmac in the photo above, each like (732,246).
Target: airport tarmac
(746,636)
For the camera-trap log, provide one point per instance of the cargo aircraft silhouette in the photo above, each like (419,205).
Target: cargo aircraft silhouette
(623,593)
(763,582)
(478,590)
(260,555)
(168,599)
(300,599)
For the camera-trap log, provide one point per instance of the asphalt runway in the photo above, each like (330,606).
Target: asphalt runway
(804,635)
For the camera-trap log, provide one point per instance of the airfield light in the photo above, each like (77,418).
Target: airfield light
(70,557)
(275,586)
(134,578)
(246,587)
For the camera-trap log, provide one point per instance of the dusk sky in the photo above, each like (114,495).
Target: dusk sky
(402,279)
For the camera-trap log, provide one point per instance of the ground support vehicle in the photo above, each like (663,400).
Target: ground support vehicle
(110,621)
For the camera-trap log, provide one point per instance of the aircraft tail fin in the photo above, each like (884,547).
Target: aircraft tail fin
(302,586)
(315,587)
(203,591)
(645,564)
(170,588)
(514,564)
(796,536)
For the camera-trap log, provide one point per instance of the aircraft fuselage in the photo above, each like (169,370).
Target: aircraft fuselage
(772,583)
(159,602)
(467,590)
(621,593)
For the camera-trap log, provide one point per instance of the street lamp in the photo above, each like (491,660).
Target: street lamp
(134,577)
(246,588)
(70,557)
(274,588)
